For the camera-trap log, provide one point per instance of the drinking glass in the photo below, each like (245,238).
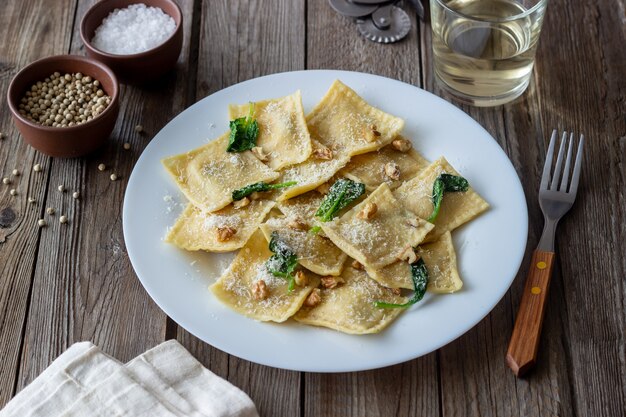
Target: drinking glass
(484,50)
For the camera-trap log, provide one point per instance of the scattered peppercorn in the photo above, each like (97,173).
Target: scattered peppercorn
(64,100)
(76,195)
(6,181)
(37,168)
(41,223)
(139,128)
(63,219)
(126,145)
(50,211)
(31,200)
(113,177)
(61,188)
(13,192)
(16,173)
(102,167)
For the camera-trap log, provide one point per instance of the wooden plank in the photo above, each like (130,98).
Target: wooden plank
(48,27)
(409,389)
(241,40)
(84,287)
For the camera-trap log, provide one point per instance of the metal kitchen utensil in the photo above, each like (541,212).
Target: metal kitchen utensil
(380,21)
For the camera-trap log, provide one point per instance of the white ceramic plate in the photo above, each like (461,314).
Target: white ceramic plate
(490,248)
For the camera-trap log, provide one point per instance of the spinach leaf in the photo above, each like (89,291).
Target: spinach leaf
(341,193)
(283,262)
(419,275)
(259,187)
(445,183)
(243,133)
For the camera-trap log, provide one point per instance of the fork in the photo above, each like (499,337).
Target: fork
(555,200)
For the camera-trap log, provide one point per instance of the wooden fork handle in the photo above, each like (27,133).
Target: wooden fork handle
(522,352)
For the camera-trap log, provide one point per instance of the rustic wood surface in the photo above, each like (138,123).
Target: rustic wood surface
(59,285)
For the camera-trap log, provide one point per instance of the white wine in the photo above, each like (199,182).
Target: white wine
(485,59)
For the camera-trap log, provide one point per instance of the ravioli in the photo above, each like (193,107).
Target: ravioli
(350,307)
(456,208)
(198,230)
(208,175)
(303,206)
(440,260)
(310,174)
(348,125)
(316,253)
(283,134)
(381,240)
(235,286)
(369,168)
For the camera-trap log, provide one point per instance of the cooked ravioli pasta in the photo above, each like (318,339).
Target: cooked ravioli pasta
(372,168)
(198,230)
(208,175)
(315,253)
(348,125)
(440,259)
(310,174)
(381,240)
(456,208)
(350,308)
(283,134)
(235,288)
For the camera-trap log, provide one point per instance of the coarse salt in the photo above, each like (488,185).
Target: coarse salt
(134,29)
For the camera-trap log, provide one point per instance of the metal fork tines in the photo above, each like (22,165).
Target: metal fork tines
(555,199)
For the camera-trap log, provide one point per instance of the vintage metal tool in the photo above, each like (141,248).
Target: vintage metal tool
(381,21)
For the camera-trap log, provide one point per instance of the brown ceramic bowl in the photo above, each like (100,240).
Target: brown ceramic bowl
(72,141)
(145,66)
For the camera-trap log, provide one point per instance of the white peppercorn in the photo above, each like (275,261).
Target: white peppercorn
(37,168)
(76,195)
(126,145)
(41,223)
(113,177)
(13,192)
(63,219)
(50,211)
(57,100)
(102,167)
(61,188)
(6,181)
(16,173)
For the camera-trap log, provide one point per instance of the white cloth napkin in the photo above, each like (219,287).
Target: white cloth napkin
(164,381)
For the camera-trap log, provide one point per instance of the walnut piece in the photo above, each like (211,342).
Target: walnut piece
(371,133)
(395,291)
(260,290)
(302,279)
(357,265)
(401,145)
(392,171)
(297,224)
(323,153)
(241,203)
(225,233)
(332,282)
(323,189)
(408,254)
(259,153)
(368,212)
(314,298)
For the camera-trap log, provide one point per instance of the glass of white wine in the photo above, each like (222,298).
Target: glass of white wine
(484,50)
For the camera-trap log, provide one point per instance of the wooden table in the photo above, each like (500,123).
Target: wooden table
(67,283)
